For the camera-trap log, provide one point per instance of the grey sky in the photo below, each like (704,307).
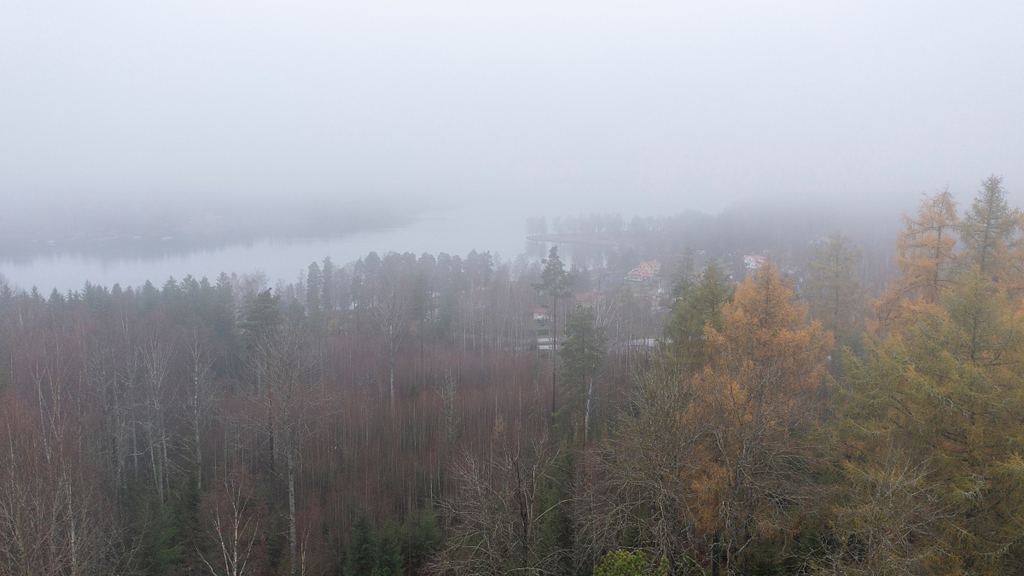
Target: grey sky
(588,106)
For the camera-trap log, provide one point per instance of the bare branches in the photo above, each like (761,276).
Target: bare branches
(232,516)
(52,517)
(198,397)
(494,519)
(389,311)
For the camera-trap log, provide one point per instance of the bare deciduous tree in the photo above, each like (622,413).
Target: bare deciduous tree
(390,313)
(198,397)
(232,515)
(53,519)
(156,358)
(292,405)
(638,484)
(493,521)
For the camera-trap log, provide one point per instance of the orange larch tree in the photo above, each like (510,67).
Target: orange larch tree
(925,257)
(753,406)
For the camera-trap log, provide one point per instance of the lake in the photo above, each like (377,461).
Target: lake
(453,231)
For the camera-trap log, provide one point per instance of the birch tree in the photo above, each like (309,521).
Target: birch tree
(390,315)
(156,357)
(198,397)
(294,409)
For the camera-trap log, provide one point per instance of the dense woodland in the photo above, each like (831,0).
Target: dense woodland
(397,416)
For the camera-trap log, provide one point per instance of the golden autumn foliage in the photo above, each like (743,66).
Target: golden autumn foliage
(991,240)
(753,405)
(708,465)
(946,393)
(942,387)
(925,258)
(738,446)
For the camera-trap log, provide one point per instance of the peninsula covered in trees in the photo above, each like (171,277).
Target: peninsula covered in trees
(759,398)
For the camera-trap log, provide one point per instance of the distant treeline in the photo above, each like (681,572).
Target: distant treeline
(143,425)
(423,415)
(154,228)
(783,232)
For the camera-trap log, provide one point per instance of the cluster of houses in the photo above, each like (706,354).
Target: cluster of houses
(647,273)
(646,278)
(752,263)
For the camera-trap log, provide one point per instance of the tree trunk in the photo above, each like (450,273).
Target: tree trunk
(166,466)
(586,414)
(157,476)
(199,449)
(135,450)
(292,540)
(391,375)
(72,529)
(715,568)
(271,465)
(554,356)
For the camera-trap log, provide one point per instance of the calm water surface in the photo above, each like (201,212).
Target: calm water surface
(454,232)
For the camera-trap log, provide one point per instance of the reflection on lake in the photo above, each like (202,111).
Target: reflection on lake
(455,232)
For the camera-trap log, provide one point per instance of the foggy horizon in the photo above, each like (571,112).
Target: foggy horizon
(648,109)
(459,288)
(149,131)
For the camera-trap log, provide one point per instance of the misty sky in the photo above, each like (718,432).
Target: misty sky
(636,107)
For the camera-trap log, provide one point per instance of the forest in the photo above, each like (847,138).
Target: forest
(838,409)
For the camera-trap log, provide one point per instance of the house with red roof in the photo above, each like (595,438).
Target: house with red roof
(541,316)
(645,272)
(752,261)
(652,266)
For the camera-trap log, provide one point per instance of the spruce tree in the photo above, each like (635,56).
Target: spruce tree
(834,291)
(583,353)
(990,231)
(699,305)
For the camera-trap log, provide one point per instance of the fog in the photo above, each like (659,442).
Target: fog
(336,118)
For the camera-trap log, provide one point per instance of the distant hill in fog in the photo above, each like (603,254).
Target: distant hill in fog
(132,230)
